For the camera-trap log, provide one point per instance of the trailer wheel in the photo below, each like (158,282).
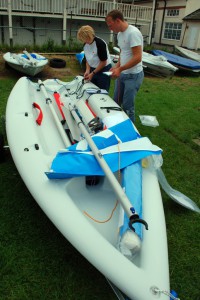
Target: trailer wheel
(57,63)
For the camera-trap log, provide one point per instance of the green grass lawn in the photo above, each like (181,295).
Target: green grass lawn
(36,262)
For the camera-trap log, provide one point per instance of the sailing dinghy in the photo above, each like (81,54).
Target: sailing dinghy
(155,65)
(187,53)
(182,63)
(94,176)
(26,63)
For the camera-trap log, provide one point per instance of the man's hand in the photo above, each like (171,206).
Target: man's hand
(115,72)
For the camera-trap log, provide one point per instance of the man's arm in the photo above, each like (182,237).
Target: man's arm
(136,58)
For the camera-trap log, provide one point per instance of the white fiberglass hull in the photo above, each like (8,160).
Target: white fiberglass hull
(66,201)
(187,53)
(157,64)
(23,65)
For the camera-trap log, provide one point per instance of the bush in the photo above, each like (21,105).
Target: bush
(72,45)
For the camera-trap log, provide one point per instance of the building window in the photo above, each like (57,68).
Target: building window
(172,31)
(172,12)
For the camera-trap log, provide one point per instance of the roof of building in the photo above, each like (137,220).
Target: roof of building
(195,15)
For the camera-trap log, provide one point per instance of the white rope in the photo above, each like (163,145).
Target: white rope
(157,291)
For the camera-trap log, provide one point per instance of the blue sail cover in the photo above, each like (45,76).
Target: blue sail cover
(120,142)
(178,60)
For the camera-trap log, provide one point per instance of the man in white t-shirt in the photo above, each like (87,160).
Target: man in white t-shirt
(128,70)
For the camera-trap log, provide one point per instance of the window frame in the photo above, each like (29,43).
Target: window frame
(172,12)
(172,31)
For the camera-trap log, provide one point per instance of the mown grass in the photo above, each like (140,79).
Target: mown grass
(36,262)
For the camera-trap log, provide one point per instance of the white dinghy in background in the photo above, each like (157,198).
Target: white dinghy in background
(90,216)
(155,65)
(26,63)
(187,53)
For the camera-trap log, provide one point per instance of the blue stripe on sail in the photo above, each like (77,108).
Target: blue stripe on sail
(34,56)
(125,131)
(73,164)
(100,141)
(77,162)
(132,184)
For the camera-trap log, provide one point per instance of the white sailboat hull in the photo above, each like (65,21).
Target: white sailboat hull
(66,201)
(187,53)
(24,65)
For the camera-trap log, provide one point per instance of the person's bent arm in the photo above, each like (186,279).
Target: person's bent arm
(136,58)
(100,66)
(87,71)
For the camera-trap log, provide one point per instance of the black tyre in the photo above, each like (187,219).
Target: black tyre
(57,63)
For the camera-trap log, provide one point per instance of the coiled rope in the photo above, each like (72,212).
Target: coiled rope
(116,203)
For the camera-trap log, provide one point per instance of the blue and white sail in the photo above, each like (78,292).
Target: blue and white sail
(120,145)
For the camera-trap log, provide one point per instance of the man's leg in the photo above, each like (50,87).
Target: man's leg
(132,83)
(119,90)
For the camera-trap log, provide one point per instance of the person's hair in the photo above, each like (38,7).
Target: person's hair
(85,32)
(115,14)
